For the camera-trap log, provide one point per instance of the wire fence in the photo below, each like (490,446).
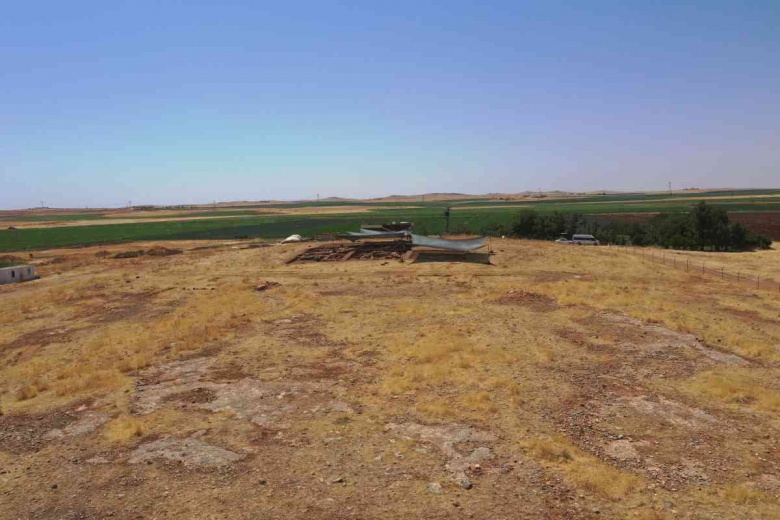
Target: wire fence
(698,266)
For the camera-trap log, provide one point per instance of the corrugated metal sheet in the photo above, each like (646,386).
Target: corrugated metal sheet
(467,245)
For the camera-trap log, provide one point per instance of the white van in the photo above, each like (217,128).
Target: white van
(585,240)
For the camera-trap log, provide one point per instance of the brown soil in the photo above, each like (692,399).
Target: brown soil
(538,301)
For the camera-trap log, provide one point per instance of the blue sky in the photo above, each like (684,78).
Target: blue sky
(186,102)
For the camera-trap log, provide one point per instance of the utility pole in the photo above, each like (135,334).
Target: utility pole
(670,187)
(318,198)
(447,212)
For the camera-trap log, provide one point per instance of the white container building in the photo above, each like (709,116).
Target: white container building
(17,273)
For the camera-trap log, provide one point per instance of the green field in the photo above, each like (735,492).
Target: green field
(473,216)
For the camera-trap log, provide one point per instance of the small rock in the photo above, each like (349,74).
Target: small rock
(264,286)
(465,482)
(435,488)
(338,480)
(262,482)
(54,486)
(668,504)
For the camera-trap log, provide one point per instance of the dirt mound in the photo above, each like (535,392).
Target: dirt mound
(129,254)
(155,251)
(163,251)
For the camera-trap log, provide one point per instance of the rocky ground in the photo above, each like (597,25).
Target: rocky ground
(552,384)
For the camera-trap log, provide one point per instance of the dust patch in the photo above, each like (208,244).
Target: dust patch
(303,329)
(672,412)
(454,441)
(125,307)
(191,452)
(160,383)
(30,432)
(37,339)
(269,404)
(87,423)
(655,338)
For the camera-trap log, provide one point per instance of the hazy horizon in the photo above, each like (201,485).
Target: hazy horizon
(103,104)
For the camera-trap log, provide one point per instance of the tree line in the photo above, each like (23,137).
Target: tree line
(705,227)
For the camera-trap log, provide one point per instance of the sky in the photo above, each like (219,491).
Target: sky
(165,102)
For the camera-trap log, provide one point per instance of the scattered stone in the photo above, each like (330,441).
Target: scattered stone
(435,488)
(464,482)
(54,486)
(622,450)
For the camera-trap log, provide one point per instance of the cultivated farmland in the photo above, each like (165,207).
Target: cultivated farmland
(43,229)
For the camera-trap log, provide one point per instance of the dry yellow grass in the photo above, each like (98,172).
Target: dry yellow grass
(586,471)
(102,358)
(738,387)
(426,344)
(124,428)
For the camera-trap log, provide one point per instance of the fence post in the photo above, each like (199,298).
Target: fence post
(758,282)
(737,275)
(688,264)
(702,268)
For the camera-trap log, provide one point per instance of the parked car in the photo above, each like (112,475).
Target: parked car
(585,240)
(563,240)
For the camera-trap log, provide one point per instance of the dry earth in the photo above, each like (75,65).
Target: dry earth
(558,383)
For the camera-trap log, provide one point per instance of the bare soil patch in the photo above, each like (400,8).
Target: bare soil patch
(30,432)
(191,452)
(538,302)
(33,340)
(614,413)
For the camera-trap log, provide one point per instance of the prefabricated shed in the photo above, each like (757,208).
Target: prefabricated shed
(17,273)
